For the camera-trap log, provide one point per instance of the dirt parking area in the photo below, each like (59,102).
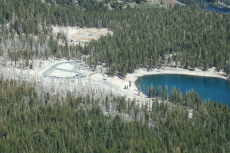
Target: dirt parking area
(77,35)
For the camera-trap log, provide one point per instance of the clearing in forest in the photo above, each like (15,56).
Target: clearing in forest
(77,35)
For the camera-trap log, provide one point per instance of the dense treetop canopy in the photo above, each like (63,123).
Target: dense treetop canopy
(35,120)
(149,37)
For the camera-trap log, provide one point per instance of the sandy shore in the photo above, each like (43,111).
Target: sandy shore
(122,86)
(132,92)
(117,85)
(168,70)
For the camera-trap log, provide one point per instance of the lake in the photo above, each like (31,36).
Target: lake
(214,89)
(217,9)
(212,8)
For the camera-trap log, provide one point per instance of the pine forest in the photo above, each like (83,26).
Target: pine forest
(34,118)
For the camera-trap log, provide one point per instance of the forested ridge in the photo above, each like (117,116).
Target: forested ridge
(193,38)
(186,37)
(33,120)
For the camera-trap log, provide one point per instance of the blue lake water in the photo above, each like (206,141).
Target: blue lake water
(214,89)
(212,8)
(217,9)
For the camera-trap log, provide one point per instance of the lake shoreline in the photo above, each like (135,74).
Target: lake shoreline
(171,70)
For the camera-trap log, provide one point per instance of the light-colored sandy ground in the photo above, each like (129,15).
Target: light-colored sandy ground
(77,35)
(97,77)
(40,66)
(59,73)
(168,70)
(66,66)
(95,82)
(166,3)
